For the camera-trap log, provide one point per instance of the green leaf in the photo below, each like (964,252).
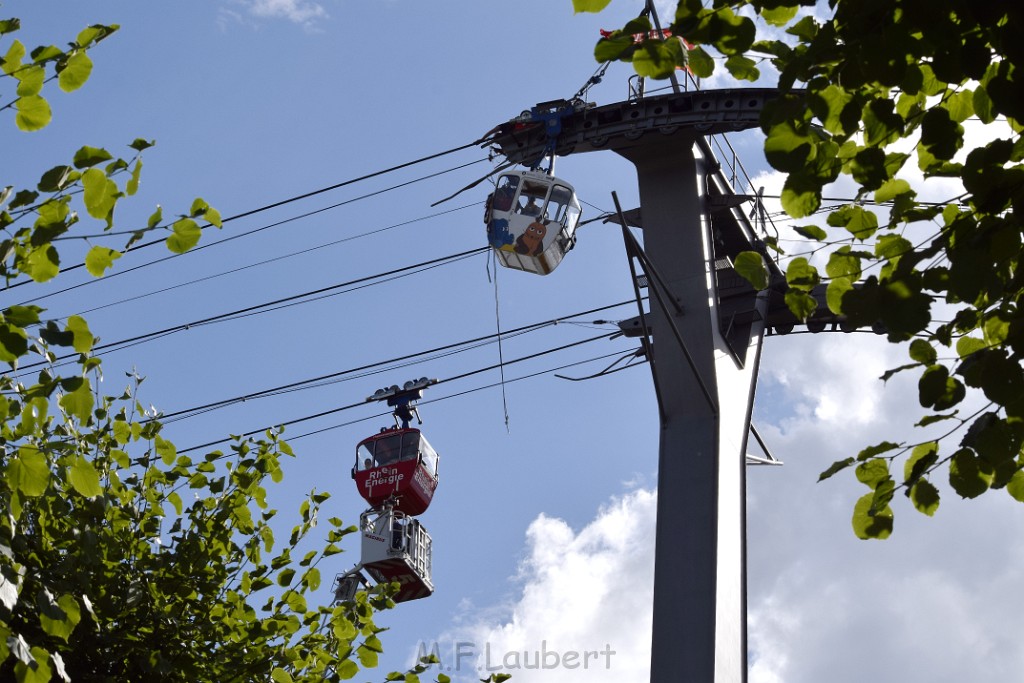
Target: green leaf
(835,110)
(22,316)
(932,419)
(83,339)
(890,189)
(347,669)
(960,105)
(801,274)
(46,53)
(295,601)
(923,352)
(156,217)
(285,577)
(186,235)
(367,657)
(982,105)
(996,329)
(23,198)
(835,467)
(860,222)
(84,477)
(742,68)
(892,372)
(835,292)
(801,304)
(750,265)
(872,472)
(42,264)
(882,125)
(658,58)
(209,213)
(33,113)
(75,72)
(937,390)
(165,449)
(311,579)
(100,194)
(9,26)
(925,497)
(779,16)
(91,156)
(967,475)
(199,205)
(11,580)
(941,136)
(12,60)
(94,34)
(133,183)
(877,449)
(843,263)
(866,525)
(700,63)
(1016,486)
(99,259)
(56,179)
(122,432)
(28,472)
(36,672)
(920,461)
(30,81)
(279,675)
(892,247)
(79,403)
(786,148)
(800,197)
(589,5)
(13,343)
(60,619)
(174,499)
(994,439)
(812,232)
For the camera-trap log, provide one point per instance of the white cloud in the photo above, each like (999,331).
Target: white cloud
(938,601)
(299,11)
(303,12)
(586,592)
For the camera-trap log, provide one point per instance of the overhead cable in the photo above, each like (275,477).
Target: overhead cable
(461,393)
(264,307)
(442,381)
(315,381)
(208,245)
(274,259)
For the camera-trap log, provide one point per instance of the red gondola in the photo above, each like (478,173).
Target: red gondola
(398,464)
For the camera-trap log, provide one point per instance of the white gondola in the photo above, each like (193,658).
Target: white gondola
(396,549)
(531,220)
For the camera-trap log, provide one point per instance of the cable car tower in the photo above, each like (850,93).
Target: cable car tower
(702,335)
(396,473)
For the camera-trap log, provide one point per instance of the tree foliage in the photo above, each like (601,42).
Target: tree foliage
(122,559)
(879,91)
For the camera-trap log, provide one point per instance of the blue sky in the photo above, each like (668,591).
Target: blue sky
(543,531)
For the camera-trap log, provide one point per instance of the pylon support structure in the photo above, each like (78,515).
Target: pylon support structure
(706,325)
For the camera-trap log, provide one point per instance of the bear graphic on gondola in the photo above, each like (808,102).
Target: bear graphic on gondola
(531,242)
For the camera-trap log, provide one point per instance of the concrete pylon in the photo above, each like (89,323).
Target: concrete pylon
(706,347)
(706,392)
